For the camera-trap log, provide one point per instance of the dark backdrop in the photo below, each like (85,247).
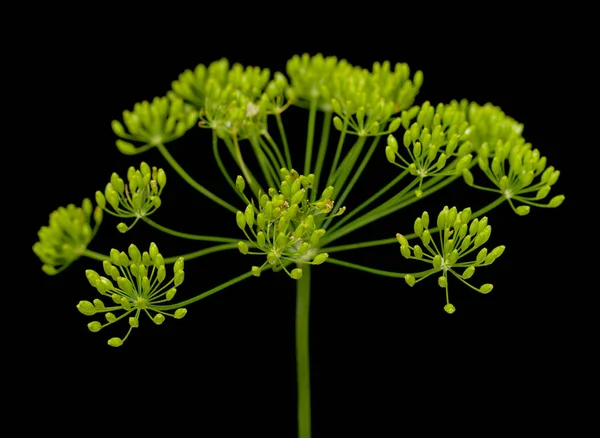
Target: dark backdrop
(379,349)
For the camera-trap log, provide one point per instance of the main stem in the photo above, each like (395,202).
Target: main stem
(302,358)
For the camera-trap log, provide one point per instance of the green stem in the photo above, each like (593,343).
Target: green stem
(286,146)
(191,181)
(281,161)
(355,177)
(321,154)
(338,152)
(202,252)
(95,255)
(265,166)
(302,350)
(372,199)
(207,293)
(188,235)
(222,167)
(256,189)
(379,213)
(343,172)
(189,256)
(310,136)
(365,268)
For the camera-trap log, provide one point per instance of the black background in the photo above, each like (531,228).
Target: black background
(379,349)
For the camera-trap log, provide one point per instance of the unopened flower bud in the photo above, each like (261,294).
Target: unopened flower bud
(486,288)
(296,274)
(94,326)
(180,313)
(115,342)
(449,308)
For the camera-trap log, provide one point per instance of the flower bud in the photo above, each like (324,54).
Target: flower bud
(115,342)
(110,318)
(453,257)
(426,237)
(92,277)
(158,319)
(296,274)
(98,304)
(523,210)
(543,192)
(240,183)
(122,227)
(390,155)
(125,147)
(261,221)
(316,236)
(441,219)
(260,239)
(481,256)
(468,177)
(170,294)
(463,163)
(449,308)
(401,239)
(468,273)
(180,313)
(243,247)
(451,218)
(320,258)
(241,220)
(179,276)
(490,258)
(499,250)
(134,322)
(553,177)
(556,201)
(437,262)
(249,215)
(418,227)
(125,285)
(395,124)
(100,199)
(337,122)
(255,271)
(442,282)
(94,326)
(134,254)
(486,288)
(114,257)
(405,251)
(425,219)
(98,215)
(410,280)
(272,257)
(86,308)
(418,252)
(125,303)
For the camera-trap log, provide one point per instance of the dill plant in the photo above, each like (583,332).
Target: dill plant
(287,216)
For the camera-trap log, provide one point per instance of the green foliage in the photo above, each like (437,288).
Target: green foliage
(284,225)
(66,236)
(458,237)
(135,282)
